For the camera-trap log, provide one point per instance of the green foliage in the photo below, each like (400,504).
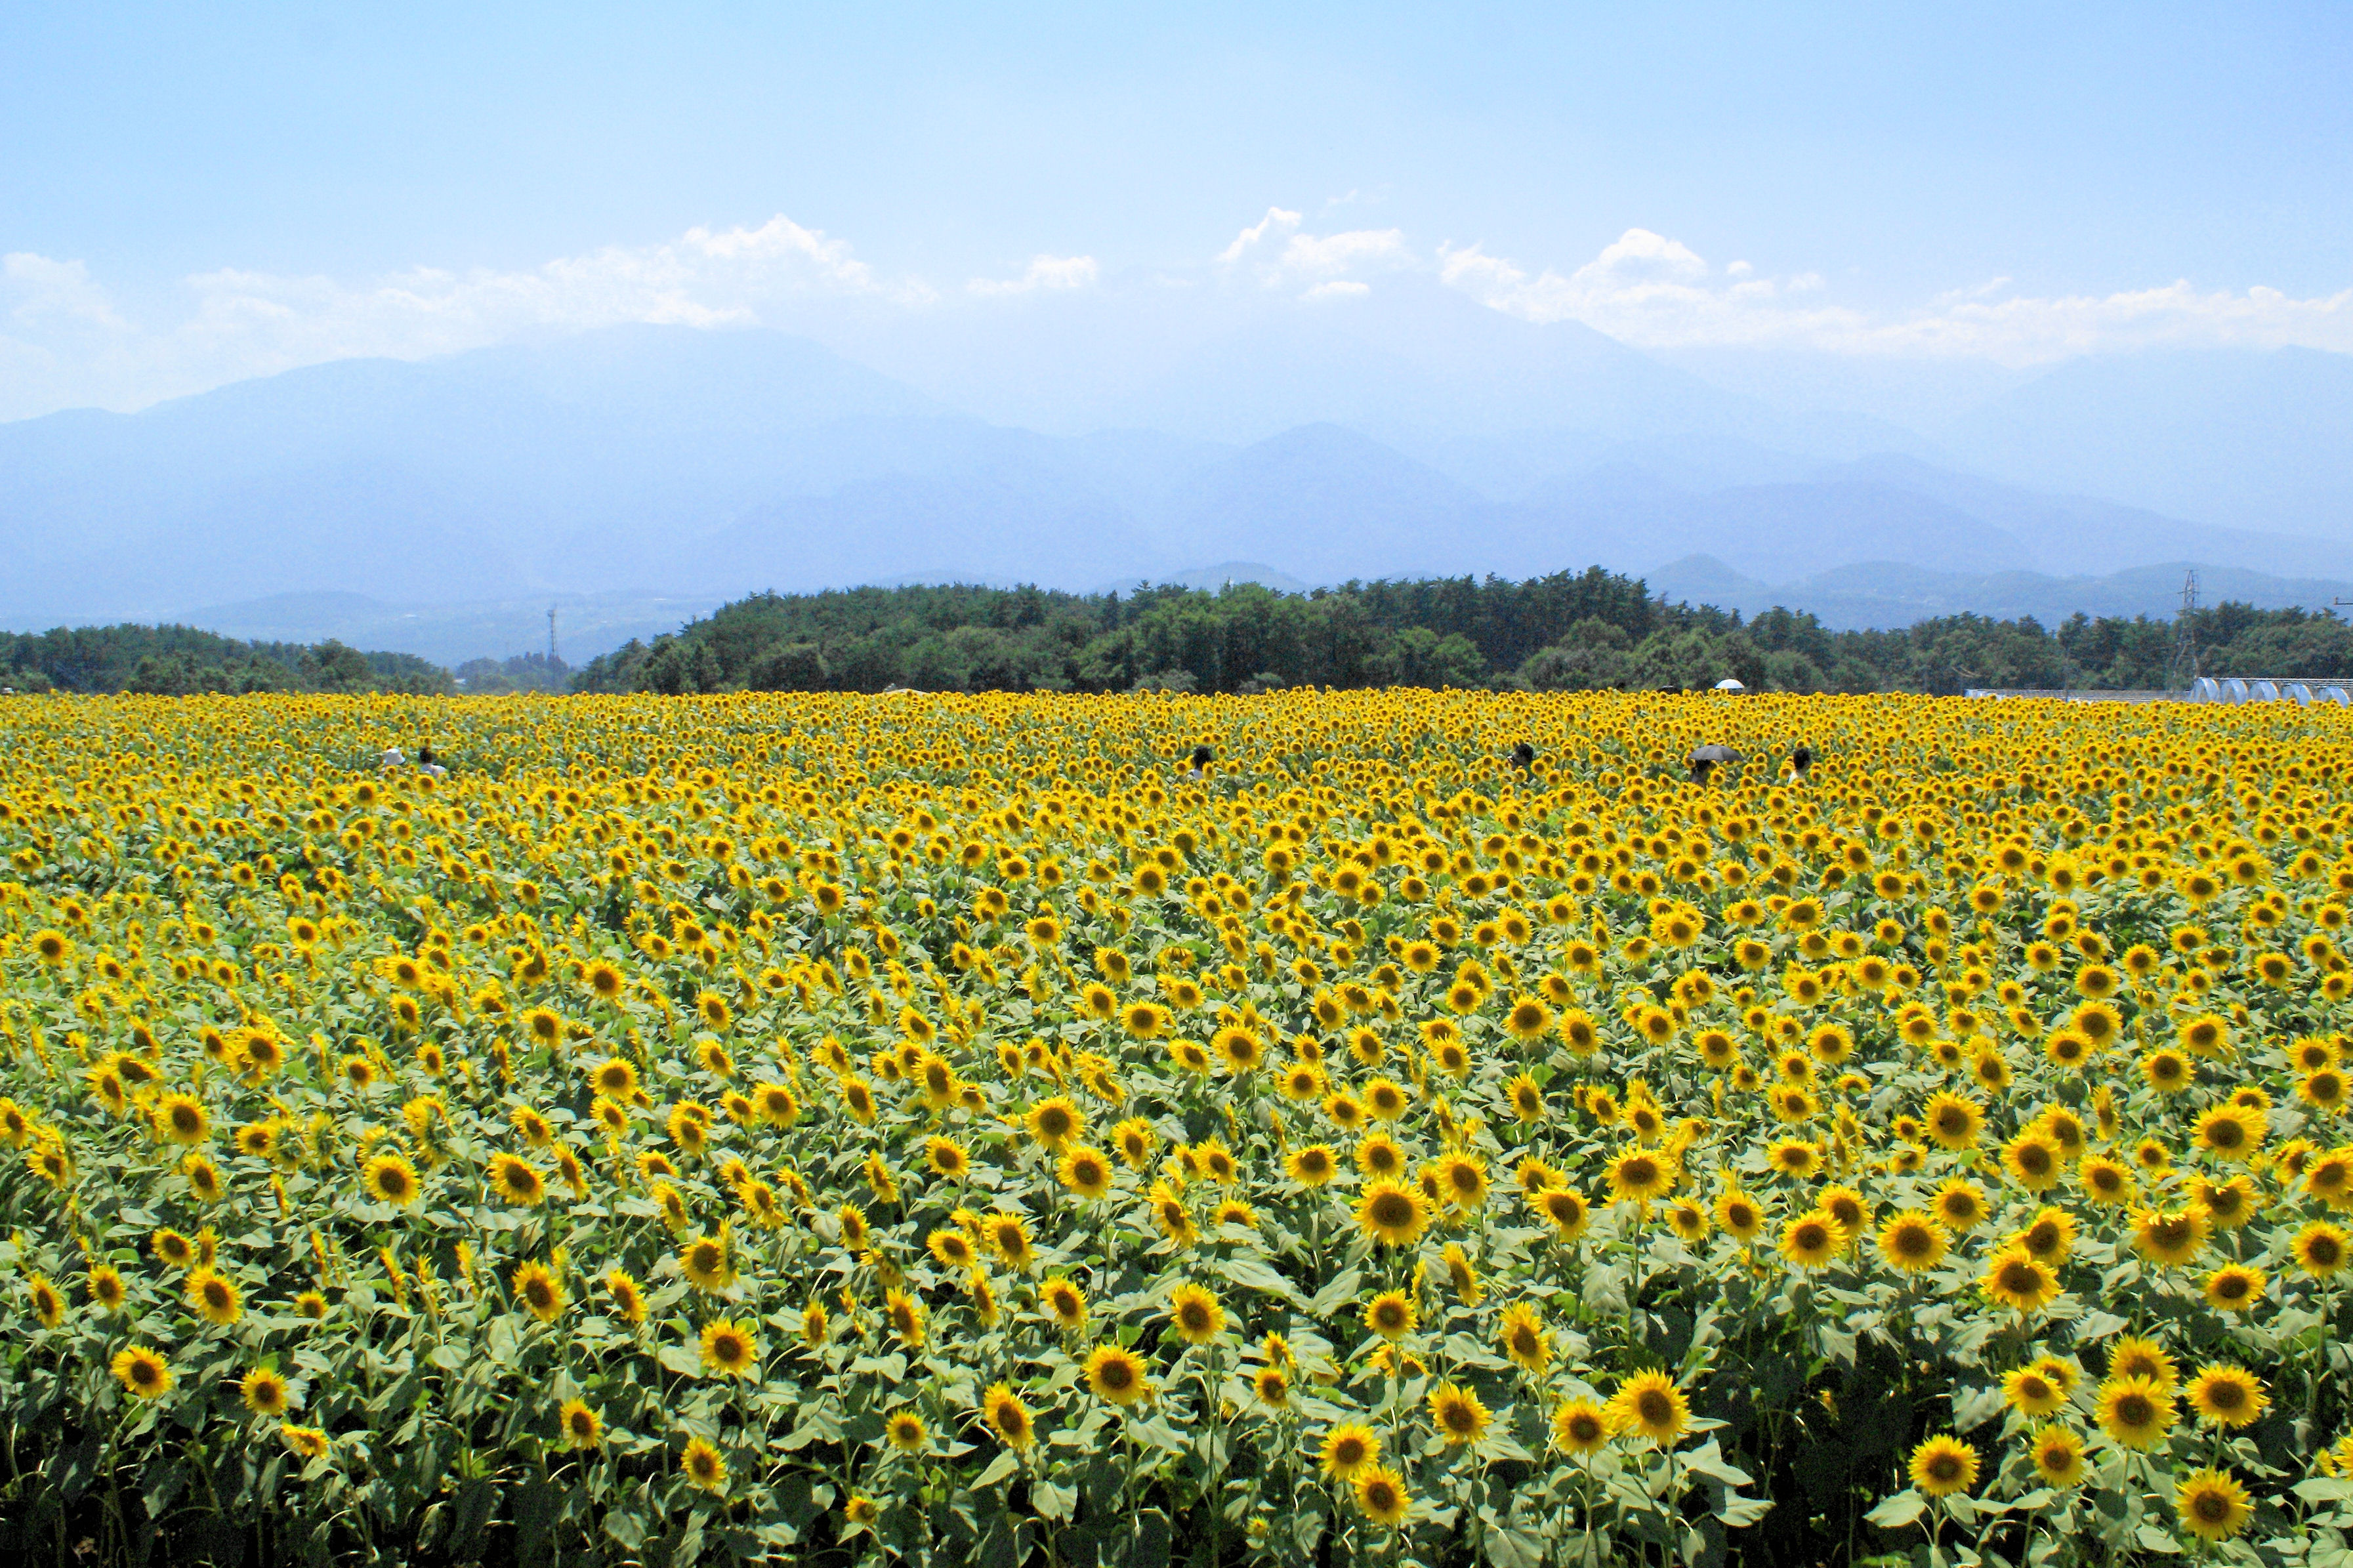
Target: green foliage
(523,672)
(180,661)
(1591,631)
(1440,632)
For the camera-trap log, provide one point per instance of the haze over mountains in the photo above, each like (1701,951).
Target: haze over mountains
(680,466)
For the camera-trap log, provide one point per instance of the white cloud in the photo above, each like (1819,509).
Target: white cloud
(246,323)
(1048,272)
(1654,293)
(1316,260)
(65,341)
(41,289)
(705,279)
(1307,256)
(1275,219)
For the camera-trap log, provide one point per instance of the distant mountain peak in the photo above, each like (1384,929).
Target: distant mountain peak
(1420,434)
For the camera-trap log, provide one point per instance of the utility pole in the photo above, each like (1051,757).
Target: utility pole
(2185,634)
(550,634)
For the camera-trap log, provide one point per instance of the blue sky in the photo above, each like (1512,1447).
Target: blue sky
(189,195)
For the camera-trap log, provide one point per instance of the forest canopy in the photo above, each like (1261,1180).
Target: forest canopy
(1587,631)
(178,661)
(1568,632)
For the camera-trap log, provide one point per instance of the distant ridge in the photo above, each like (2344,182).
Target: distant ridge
(585,624)
(1212,578)
(701,466)
(1885,595)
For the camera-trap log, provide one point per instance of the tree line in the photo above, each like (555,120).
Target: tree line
(1567,632)
(179,661)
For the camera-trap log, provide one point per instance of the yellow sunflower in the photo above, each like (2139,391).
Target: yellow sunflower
(2213,1505)
(2225,1395)
(729,1349)
(1812,1240)
(1007,1417)
(1648,1404)
(2057,1453)
(1117,1377)
(1381,1493)
(2136,1413)
(1458,1415)
(1392,1214)
(1944,1465)
(1347,1450)
(2019,1282)
(1579,1426)
(1195,1314)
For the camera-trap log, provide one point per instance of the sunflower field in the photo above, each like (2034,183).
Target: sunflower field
(964,1130)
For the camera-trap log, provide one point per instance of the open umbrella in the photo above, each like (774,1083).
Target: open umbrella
(1713,753)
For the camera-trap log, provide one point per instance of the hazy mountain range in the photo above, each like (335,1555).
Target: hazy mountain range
(652,471)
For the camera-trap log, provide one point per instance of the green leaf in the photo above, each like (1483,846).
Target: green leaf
(535,1521)
(796,1501)
(1498,1445)
(1005,1465)
(1974,1407)
(1469,1351)
(499,1345)
(1513,1548)
(73,1468)
(1255,1274)
(1905,1507)
(1337,1292)
(2097,1325)
(164,1488)
(1143,1545)
(1001,1547)
(1152,1429)
(2152,1539)
(625,1525)
(471,1512)
(1709,1460)
(683,1360)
